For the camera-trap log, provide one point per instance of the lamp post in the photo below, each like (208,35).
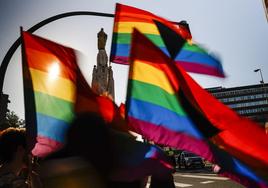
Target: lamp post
(262,82)
(259,70)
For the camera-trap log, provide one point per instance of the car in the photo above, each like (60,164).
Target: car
(189,160)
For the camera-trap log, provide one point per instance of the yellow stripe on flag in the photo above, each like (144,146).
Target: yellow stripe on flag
(54,86)
(151,75)
(127,27)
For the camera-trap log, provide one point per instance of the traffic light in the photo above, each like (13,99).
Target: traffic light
(3,107)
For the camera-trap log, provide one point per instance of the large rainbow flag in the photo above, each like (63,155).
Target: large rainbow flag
(54,91)
(165,105)
(192,57)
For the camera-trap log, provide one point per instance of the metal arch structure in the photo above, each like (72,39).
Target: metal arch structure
(17,43)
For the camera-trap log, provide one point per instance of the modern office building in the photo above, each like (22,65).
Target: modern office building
(250,101)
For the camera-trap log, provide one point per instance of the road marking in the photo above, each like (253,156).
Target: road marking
(206,182)
(182,184)
(176,184)
(207,174)
(201,177)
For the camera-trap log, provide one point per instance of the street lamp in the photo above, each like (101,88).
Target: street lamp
(259,70)
(266,99)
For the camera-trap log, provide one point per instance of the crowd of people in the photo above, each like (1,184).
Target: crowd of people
(87,160)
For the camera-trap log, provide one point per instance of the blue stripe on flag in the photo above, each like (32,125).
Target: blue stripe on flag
(162,117)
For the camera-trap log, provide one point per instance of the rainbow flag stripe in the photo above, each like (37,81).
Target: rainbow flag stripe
(192,57)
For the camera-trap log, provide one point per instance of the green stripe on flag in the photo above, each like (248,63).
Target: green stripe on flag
(155,95)
(193,48)
(125,38)
(54,107)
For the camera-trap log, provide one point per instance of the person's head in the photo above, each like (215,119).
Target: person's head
(12,144)
(88,137)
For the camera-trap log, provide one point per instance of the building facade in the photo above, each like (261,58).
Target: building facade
(249,101)
(102,78)
(3,107)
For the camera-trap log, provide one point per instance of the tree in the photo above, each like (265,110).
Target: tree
(12,120)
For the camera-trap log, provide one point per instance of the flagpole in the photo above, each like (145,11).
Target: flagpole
(29,166)
(29,104)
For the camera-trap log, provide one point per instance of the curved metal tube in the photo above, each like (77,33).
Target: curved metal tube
(16,44)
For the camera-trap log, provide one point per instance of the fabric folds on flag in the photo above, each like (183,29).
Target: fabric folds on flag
(191,57)
(55,91)
(182,115)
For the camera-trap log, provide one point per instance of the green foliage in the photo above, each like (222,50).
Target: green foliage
(12,120)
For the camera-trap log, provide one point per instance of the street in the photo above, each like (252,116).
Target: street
(202,178)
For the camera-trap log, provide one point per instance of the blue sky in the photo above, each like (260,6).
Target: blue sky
(236,31)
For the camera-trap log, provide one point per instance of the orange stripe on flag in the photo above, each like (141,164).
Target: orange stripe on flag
(44,61)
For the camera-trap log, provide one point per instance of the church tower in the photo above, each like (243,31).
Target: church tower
(102,78)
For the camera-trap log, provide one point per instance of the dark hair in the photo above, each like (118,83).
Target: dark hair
(10,139)
(88,137)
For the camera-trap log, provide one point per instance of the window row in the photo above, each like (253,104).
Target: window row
(255,110)
(246,104)
(243,98)
(241,92)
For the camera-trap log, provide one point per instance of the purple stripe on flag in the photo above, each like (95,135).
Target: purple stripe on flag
(199,68)
(120,60)
(162,135)
(45,146)
(189,66)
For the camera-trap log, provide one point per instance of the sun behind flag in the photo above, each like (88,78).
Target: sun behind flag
(54,91)
(182,115)
(191,57)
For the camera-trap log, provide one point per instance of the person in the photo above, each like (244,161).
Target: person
(83,161)
(13,160)
(97,156)
(167,182)
(87,159)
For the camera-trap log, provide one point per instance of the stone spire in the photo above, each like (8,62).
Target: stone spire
(102,78)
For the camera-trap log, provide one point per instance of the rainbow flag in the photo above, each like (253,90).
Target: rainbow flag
(50,73)
(191,57)
(165,105)
(54,92)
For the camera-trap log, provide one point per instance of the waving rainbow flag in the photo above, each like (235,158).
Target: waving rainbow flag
(49,72)
(165,105)
(191,57)
(54,92)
